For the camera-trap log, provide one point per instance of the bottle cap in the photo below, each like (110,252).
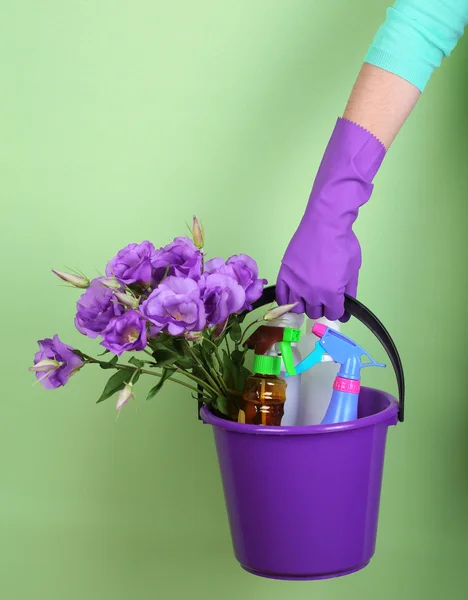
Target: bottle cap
(266,365)
(291,335)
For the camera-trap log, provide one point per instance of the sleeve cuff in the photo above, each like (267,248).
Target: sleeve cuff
(417,74)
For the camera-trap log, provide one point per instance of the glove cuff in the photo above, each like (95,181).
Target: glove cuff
(352,141)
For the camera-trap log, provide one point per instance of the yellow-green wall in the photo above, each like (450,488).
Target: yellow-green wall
(119,120)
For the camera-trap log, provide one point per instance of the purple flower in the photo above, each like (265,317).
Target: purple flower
(133,264)
(218,265)
(180,258)
(245,270)
(95,308)
(124,333)
(154,330)
(177,305)
(222,295)
(61,360)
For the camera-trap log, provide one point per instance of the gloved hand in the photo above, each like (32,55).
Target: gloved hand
(323,259)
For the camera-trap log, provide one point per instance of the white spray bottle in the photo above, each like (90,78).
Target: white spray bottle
(316,383)
(292,406)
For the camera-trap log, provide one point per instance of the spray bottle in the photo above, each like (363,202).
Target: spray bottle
(264,393)
(344,351)
(289,350)
(316,384)
(274,356)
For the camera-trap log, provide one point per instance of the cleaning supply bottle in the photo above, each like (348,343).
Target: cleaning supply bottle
(316,384)
(264,393)
(291,355)
(279,338)
(344,351)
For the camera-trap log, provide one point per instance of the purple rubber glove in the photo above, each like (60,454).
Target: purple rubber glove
(323,259)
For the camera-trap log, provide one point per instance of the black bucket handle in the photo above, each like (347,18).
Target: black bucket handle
(356,309)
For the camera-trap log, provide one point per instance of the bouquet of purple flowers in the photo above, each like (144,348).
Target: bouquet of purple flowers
(178,315)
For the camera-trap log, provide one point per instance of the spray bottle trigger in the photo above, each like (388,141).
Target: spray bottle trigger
(288,359)
(371,362)
(290,336)
(312,359)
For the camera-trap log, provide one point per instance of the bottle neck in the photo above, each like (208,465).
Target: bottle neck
(351,369)
(265,376)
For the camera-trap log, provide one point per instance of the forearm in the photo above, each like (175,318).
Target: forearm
(408,47)
(322,261)
(381,102)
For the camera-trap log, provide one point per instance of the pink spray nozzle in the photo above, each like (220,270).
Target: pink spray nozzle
(319,329)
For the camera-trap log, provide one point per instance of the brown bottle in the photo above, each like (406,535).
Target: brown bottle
(264,393)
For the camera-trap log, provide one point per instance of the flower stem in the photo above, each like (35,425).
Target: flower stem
(186,373)
(219,377)
(218,358)
(121,367)
(194,378)
(215,385)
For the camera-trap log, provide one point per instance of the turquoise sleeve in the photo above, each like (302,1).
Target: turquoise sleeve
(416,36)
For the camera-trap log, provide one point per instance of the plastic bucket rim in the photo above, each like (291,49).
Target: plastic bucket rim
(387,414)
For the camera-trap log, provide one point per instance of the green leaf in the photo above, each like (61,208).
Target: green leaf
(227,368)
(238,357)
(178,346)
(205,355)
(105,352)
(222,405)
(162,341)
(109,365)
(135,361)
(241,316)
(165,357)
(165,376)
(115,384)
(79,353)
(243,374)
(234,373)
(235,331)
(185,363)
(207,347)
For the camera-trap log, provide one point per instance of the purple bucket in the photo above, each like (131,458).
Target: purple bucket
(303,502)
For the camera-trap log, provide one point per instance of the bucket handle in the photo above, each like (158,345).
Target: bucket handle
(358,310)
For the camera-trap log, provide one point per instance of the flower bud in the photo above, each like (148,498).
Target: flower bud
(127,300)
(111,283)
(279,311)
(124,396)
(193,336)
(78,281)
(198,234)
(45,366)
(219,329)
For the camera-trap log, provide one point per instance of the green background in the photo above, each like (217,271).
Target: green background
(119,121)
